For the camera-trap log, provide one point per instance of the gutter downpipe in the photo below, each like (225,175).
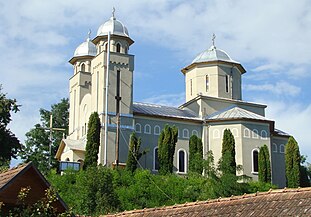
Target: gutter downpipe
(106,99)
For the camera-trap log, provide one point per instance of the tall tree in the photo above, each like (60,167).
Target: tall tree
(9,144)
(166,149)
(195,154)
(134,153)
(292,163)
(304,174)
(264,167)
(36,147)
(93,141)
(227,164)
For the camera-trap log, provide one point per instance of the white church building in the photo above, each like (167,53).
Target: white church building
(213,103)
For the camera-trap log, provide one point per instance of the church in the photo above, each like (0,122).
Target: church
(102,81)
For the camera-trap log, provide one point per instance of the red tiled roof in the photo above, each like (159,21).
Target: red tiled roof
(286,202)
(7,176)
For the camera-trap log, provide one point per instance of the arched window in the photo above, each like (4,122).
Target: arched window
(255,134)
(67,159)
(235,132)
(274,147)
(125,50)
(106,46)
(83,67)
(155,159)
(247,133)
(282,148)
(118,48)
(216,134)
(264,134)
(137,128)
(194,132)
(157,130)
(185,133)
(182,161)
(255,153)
(147,129)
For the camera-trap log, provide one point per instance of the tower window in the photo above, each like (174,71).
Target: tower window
(191,87)
(125,50)
(227,83)
(118,48)
(83,67)
(207,83)
(182,161)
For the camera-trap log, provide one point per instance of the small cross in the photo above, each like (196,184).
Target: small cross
(89,33)
(113,11)
(213,39)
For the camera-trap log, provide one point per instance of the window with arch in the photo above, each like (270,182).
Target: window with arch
(235,132)
(282,148)
(206,83)
(181,161)
(264,134)
(83,67)
(155,159)
(255,133)
(137,128)
(126,50)
(147,129)
(157,130)
(255,153)
(247,133)
(194,132)
(106,46)
(118,47)
(216,134)
(274,147)
(185,133)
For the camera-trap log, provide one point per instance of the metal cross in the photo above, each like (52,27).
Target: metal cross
(213,39)
(113,11)
(89,34)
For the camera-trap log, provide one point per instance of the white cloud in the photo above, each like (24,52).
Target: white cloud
(175,99)
(280,88)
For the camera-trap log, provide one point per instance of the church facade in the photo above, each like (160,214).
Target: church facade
(213,103)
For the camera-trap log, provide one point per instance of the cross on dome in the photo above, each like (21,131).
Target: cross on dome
(89,35)
(113,11)
(213,39)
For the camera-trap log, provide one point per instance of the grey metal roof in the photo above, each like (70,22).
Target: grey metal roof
(213,54)
(165,111)
(280,132)
(235,112)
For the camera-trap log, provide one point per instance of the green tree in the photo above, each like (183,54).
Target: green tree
(36,147)
(227,164)
(93,141)
(166,149)
(292,163)
(264,167)
(9,144)
(134,154)
(304,173)
(195,154)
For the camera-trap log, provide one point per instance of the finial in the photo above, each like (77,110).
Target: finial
(113,11)
(213,39)
(89,35)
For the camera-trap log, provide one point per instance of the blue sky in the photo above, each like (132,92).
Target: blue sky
(270,38)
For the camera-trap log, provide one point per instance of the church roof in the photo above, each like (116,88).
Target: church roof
(280,202)
(164,111)
(213,54)
(278,132)
(235,112)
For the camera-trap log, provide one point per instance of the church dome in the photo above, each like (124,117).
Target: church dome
(87,48)
(114,26)
(213,54)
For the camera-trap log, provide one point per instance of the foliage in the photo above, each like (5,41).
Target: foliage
(227,164)
(264,167)
(10,145)
(166,149)
(195,154)
(292,163)
(43,207)
(96,191)
(134,154)
(260,186)
(36,147)
(93,141)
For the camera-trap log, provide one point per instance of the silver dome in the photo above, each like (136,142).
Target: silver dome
(213,54)
(87,48)
(113,26)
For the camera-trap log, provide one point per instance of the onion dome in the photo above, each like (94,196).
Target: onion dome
(213,54)
(114,26)
(87,48)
